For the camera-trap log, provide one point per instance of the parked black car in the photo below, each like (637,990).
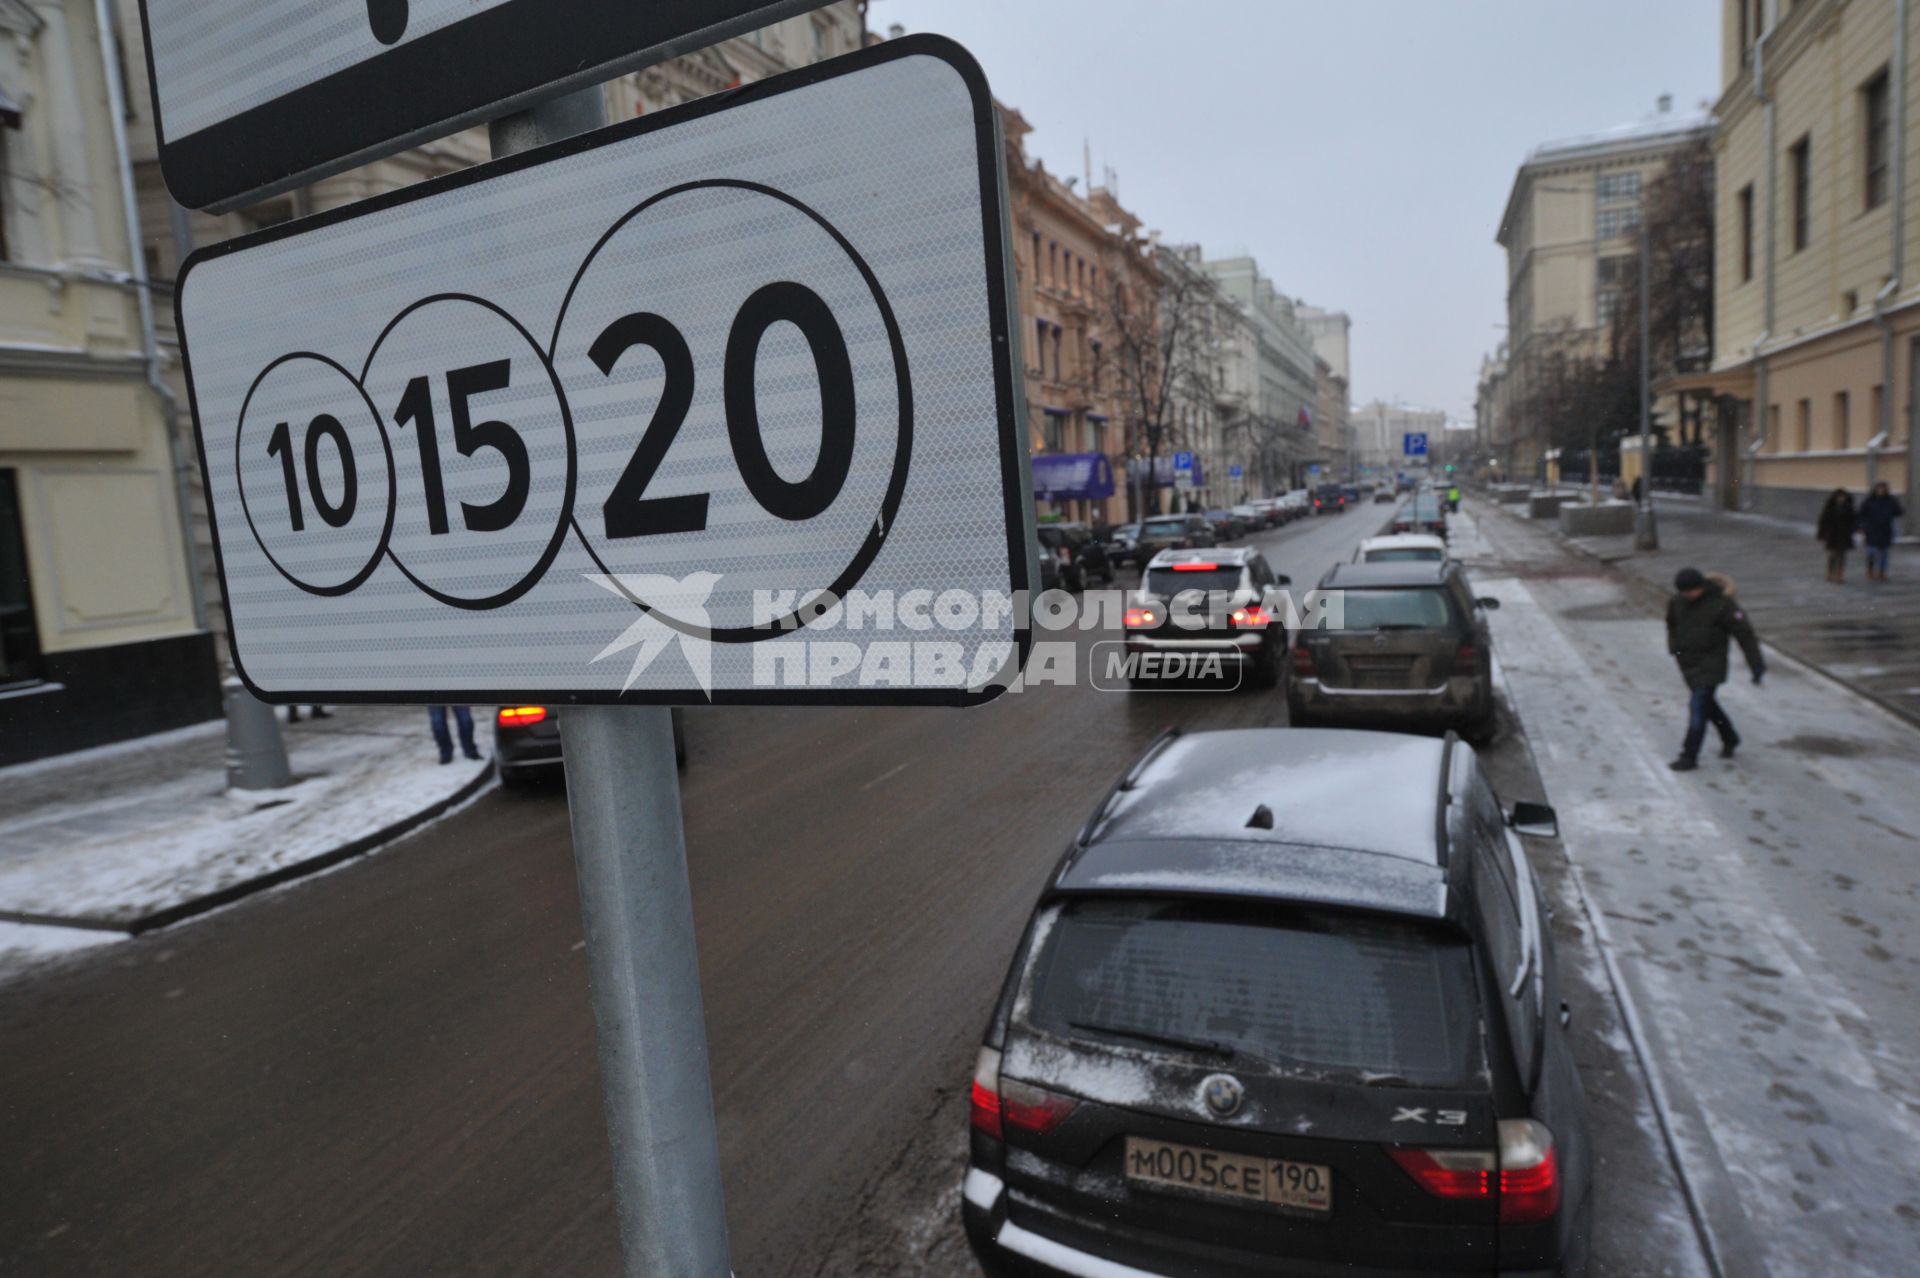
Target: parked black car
(1080,555)
(1414,653)
(1288,1004)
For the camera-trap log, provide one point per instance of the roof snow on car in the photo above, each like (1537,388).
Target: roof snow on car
(1341,817)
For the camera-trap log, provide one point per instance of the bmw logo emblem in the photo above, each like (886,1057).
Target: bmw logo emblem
(1223,1094)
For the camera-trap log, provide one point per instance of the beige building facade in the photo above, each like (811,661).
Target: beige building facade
(101,633)
(1817,252)
(1331,332)
(1571,232)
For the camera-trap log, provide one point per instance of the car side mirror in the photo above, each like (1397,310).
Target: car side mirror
(1281,579)
(1535,819)
(1488,602)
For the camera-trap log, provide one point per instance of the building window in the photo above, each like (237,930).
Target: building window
(1806,426)
(1036,258)
(1842,423)
(1746,232)
(19,632)
(1056,353)
(1053,264)
(1040,349)
(1800,166)
(1096,353)
(1611,275)
(1616,188)
(1876,133)
(1611,222)
(1053,431)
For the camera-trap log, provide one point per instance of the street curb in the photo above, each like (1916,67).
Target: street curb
(285,874)
(1658,598)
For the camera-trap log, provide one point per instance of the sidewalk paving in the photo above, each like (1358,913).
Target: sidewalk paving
(1866,634)
(133,836)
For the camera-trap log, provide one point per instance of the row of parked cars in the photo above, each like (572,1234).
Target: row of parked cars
(1288,1002)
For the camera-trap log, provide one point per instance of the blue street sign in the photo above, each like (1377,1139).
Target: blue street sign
(1183,461)
(1234,471)
(1314,469)
(1415,444)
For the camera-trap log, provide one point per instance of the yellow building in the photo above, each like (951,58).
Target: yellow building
(1817,251)
(101,636)
(1571,232)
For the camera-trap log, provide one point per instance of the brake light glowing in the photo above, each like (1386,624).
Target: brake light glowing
(521,716)
(1251,617)
(1525,1174)
(1140,618)
(996,1104)
(1196,566)
(1316,501)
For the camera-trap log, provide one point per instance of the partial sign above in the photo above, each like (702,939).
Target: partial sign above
(257,96)
(716,402)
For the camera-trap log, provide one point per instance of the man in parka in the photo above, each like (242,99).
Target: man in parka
(1701,617)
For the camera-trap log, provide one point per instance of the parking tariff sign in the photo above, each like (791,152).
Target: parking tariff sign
(715,404)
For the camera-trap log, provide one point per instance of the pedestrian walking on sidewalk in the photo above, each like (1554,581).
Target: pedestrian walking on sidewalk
(1877,514)
(1701,617)
(1835,532)
(318,712)
(463,718)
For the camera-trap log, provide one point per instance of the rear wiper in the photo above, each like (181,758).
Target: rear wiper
(1401,625)
(1211,1047)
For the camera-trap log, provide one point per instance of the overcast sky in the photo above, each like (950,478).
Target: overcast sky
(1361,149)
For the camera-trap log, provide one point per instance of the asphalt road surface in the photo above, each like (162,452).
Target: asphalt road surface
(389,1069)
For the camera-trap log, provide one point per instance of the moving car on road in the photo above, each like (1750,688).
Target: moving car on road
(1123,544)
(1227,526)
(526,743)
(1173,532)
(1401,548)
(1288,1004)
(1382,496)
(1329,499)
(1413,653)
(1225,588)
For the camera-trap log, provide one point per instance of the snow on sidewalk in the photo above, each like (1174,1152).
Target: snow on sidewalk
(108,838)
(1765,910)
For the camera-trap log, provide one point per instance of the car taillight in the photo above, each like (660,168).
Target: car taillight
(1316,501)
(1529,1172)
(1524,1173)
(1195,567)
(1465,657)
(1064,555)
(1303,662)
(1140,618)
(999,1103)
(521,716)
(1251,617)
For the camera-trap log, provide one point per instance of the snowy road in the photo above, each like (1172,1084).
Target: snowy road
(390,1069)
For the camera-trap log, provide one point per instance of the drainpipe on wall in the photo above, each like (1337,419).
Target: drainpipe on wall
(1898,216)
(256,755)
(1760,414)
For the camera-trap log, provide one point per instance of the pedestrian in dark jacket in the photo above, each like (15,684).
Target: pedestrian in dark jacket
(1701,617)
(1835,532)
(1877,514)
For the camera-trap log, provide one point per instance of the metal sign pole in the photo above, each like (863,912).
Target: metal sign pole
(629,850)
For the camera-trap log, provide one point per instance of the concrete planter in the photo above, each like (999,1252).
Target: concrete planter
(1608,519)
(1545,505)
(1510,494)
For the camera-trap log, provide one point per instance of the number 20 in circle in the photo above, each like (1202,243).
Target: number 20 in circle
(316,477)
(741,403)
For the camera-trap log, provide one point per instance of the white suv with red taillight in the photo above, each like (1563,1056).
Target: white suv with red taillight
(1217,603)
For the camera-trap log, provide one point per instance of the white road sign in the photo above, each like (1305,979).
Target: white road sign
(255,96)
(717,401)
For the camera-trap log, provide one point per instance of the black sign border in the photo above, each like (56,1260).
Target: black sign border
(1015,487)
(355,116)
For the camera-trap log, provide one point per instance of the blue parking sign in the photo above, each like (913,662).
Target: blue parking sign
(1415,444)
(1183,461)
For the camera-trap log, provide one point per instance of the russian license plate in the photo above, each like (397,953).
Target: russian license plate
(1239,1178)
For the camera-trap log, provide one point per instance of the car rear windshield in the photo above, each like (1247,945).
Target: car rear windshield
(1424,555)
(1165,582)
(1310,991)
(1165,527)
(1416,609)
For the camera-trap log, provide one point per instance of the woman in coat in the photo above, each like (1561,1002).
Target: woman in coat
(1835,532)
(1877,514)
